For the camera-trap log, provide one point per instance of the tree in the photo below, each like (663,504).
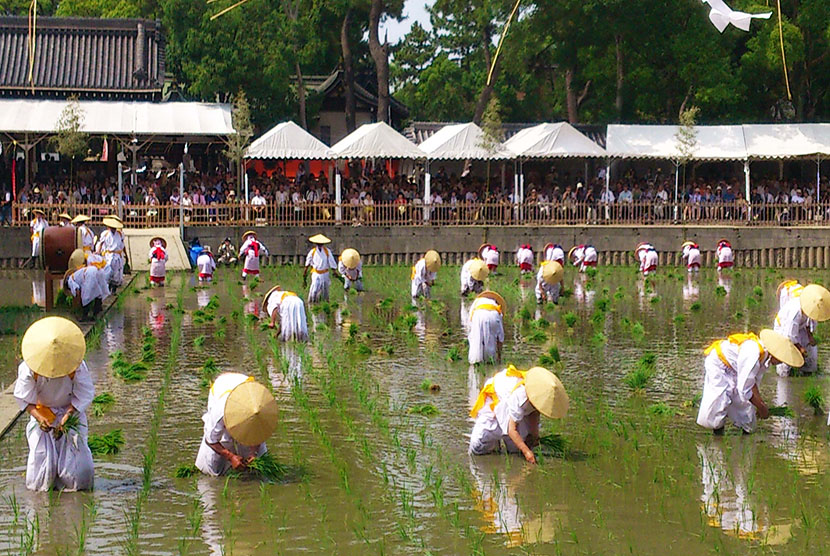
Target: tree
(69,140)
(412,56)
(380,51)
(238,142)
(492,126)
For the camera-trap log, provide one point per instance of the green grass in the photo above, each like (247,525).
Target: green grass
(185,471)
(537,337)
(781,411)
(552,444)
(425,409)
(106,444)
(720,291)
(550,358)
(696,307)
(661,409)
(131,372)
(453,354)
(758,291)
(642,373)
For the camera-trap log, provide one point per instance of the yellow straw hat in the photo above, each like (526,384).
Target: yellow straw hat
(495,297)
(552,272)
(479,270)
(350,258)
(162,240)
(571,251)
(64,216)
(546,392)
(248,233)
(81,218)
(76,260)
(112,222)
(781,348)
(53,347)
(686,243)
(265,299)
(250,413)
(815,302)
(319,239)
(432,260)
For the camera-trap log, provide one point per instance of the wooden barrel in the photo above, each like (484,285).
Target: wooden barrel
(56,245)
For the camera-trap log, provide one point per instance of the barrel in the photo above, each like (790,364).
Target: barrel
(56,244)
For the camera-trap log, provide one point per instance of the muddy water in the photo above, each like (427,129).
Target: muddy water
(370,477)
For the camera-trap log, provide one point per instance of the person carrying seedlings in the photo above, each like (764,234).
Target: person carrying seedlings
(86,281)
(549,281)
(554,252)
(725,256)
(319,262)
(227,253)
(290,309)
(647,256)
(797,320)
(489,253)
(734,369)
(54,386)
(158,260)
(583,256)
(111,247)
(507,410)
(424,273)
(241,415)
(36,228)
(350,268)
(486,333)
(691,252)
(85,236)
(251,250)
(473,274)
(205,264)
(788,289)
(524,258)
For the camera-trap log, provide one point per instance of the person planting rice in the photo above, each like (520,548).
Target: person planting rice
(691,253)
(583,256)
(319,262)
(251,250)
(725,255)
(291,311)
(241,415)
(111,247)
(206,264)
(473,274)
(158,260)
(554,252)
(507,410)
(524,258)
(86,238)
(489,253)
(486,334)
(788,289)
(549,282)
(86,281)
(647,256)
(734,369)
(797,320)
(350,268)
(424,273)
(54,387)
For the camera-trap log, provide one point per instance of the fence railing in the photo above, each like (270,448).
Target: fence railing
(736,213)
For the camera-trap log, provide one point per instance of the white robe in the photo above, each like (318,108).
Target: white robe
(90,282)
(322,263)
(792,323)
(486,331)
(206,266)
(491,425)
(789,292)
(544,290)
(352,277)
(524,256)
(725,256)
(158,265)
(468,283)
(65,463)
(422,279)
(36,228)
(293,323)
(207,460)
(693,259)
(555,254)
(248,250)
(111,247)
(648,261)
(87,238)
(490,256)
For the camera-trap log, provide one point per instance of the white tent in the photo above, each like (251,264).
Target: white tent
(787,140)
(550,140)
(723,142)
(377,141)
(288,141)
(462,142)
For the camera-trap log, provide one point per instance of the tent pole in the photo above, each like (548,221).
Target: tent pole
(26,153)
(746,179)
(818,178)
(676,186)
(338,196)
(607,206)
(181,195)
(427,191)
(120,203)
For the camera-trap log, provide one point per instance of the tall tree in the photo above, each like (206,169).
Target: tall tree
(378,10)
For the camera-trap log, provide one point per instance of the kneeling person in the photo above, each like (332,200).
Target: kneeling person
(87,282)
(473,274)
(797,320)
(486,335)
(424,273)
(549,282)
(206,264)
(290,309)
(350,268)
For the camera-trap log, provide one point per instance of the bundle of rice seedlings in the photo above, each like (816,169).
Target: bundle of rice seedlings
(537,337)
(696,306)
(267,468)
(591,271)
(720,291)
(814,398)
(209,371)
(429,386)
(654,300)
(752,302)
(185,471)
(679,319)
(541,323)
(758,291)
(453,354)
(132,373)
(199,340)
(781,411)
(101,403)
(661,409)
(603,304)
(425,409)
(639,377)
(637,331)
(525,314)
(73,423)
(570,319)
(552,444)
(363,349)
(106,444)
(550,358)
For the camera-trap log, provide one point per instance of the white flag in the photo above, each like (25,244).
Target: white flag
(722,15)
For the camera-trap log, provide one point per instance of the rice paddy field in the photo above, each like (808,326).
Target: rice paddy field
(373,430)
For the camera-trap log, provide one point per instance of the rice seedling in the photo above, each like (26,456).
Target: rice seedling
(537,337)
(599,338)
(781,411)
(185,471)
(814,398)
(429,386)
(389,349)
(525,314)
(752,302)
(453,354)
(758,291)
(679,318)
(101,403)
(598,318)
(638,332)
(696,306)
(353,329)
(363,349)
(603,304)
(694,402)
(661,409)
(552,444)
(570,319)
(425,409)
(199,341)
(267,468)
(619,294)
(655,300)
(591,272)
(541,323)
(209,371)
(566,293)
(550,358)
(106,444)
(720,291)
(133,372)
(642,373)
(738,315)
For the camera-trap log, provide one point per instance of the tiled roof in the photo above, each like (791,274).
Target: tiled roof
(93,58)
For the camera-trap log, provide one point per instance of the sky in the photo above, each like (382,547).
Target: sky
(414,10)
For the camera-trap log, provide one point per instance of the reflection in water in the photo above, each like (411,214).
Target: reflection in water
(251,306)
(211,527)
(527,289)
(691,289)
(157,317)
(582,294)
(203,297)
(803,451)
(39,292)
(725,280)
(473,386)
(465,315)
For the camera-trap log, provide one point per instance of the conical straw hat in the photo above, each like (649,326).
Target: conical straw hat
(250,413)
(479,270)
(350,258)
(686,243)
(64,216)
(81,218)
(112,222)
(162,240)
(76,260)
(265,299)
(815,302)
(432,260)
(781,348)
(552,272)
(319,239)
(495,297)
(248,233)
(547,246)
(37,210)
(53,347)
(546,392)
(571,251)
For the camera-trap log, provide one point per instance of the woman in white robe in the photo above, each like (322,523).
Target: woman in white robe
(111,247)
(424,273)
(524,258)
(53,382)
(549,282)
(250,252)
(85,236)
(350,268)
(320,263)
(691,252)
(290,309)
(554,252)
(797,320)
(473,274)
(158,260)
(36,228)
(725,256)
(486,334)
(206,265)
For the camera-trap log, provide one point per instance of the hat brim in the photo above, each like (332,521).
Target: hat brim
(319,239)
(495,297)
(432,260)
(815,302)
(546,393)
(112,223)
(53,347)
(781,348)
(687,244)
(556,276)
(250,413)
(265,299)
(81,218)
(38,211)
(248,233)
(162,240)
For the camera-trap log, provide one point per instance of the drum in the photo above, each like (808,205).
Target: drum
(56,245)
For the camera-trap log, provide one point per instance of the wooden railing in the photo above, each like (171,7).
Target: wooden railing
(461,214)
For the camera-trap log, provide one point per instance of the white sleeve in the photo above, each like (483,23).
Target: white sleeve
(25,389)
(214,425)
(516,405)
(341,268)
(309,258)
(83,389)
(749,369)
(263,249)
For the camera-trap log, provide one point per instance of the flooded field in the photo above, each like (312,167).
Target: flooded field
(372,476)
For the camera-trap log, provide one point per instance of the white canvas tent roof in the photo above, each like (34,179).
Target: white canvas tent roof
(787,140)
(724,142)
(377,140)
(552,140)
(119,118)
(461,142)
(288,141)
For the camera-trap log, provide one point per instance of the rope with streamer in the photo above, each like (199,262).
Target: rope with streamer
(31,41)
(226,10)
(783,55)
(501,41)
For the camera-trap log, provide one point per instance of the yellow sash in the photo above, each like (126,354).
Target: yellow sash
(489,391)
(485,307)
(226,392)
(287,294)
(736,339)
(98,264)
(315,271)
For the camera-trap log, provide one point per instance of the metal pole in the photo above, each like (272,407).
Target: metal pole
(120,203)
(746,179)
(427,192)
(26,153)
(676,187)
(247,200)
(134,175)
(818,178)
(338,196)
(607,205)
(181,196)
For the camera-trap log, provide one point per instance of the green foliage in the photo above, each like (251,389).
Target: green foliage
(68,139)
(106,444)
(429,386)
(814,398)
(720,291)
(570,319)
(696,306)
(603,303)
(781,411)
(552,444)
(453,354)
(185,471)
(758,291)
(101,403)
(425,409)
(267,468)
(642,373)
(661,409)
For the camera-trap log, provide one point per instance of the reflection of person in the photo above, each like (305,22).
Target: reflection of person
(473,274)
(424,273)
(691,252)
(205,265)
(725,256)
(524,258)
(290,309)
(87,281)
(53,383)
(549,282)
(227,252)
(241,415)
(507,410)
(734,369)
(111,247)
(486,334)
(158,260)
(797,320)
(251,249)
(350,268)
(320,262)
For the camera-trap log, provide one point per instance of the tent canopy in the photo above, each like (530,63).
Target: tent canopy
(552,140)
(18,116)
(289,141)
(462,142)
(377,141)
(787,140)
(723,142)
